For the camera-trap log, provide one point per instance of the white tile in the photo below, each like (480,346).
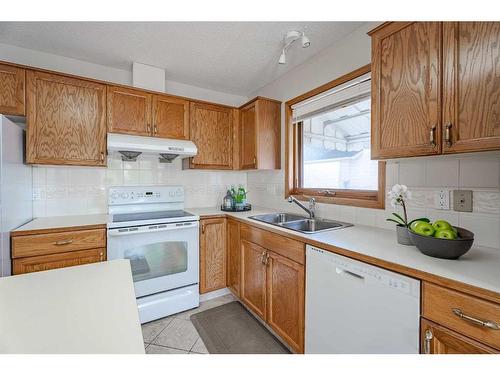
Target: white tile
(365,216)
(152,329)
(147,176)
(157,349)
(479,173)
(199,347)
(115,163)
(485,229)
(391,173)
(114,177)
(179,334)
(486,202)
(442,172)
(348,214)
(131,165)
(39,209)
(412,173)
(57,176)
(131,177)
(39,176)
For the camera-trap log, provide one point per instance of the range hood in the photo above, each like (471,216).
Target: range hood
(132,146)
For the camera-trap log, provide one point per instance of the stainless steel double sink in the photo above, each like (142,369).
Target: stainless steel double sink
(300,223)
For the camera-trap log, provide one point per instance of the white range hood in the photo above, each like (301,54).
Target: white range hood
(133,146)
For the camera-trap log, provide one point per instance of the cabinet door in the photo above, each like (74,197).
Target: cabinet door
(212,255)
(439,340)
(12,90)
(233,256)
(285,299)
(212,131)
(61,260)
(253,277)
(129,111)
(170,117)
(66,120)
(406,89)
(248,137)
(471,86)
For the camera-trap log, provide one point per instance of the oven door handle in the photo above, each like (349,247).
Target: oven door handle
(117,232)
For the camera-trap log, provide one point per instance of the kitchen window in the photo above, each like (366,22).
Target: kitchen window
(329,144)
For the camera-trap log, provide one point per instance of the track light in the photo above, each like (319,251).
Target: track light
(282,59)
(305,41)
(289,39)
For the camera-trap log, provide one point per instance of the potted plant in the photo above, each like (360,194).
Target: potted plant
(398,196)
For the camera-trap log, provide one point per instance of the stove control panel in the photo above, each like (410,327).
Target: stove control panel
(118,195)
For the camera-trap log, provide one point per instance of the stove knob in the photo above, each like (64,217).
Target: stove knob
(114,195)
(124,195)
(171,194)
(179,193)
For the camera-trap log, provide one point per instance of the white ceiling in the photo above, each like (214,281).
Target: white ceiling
(232,57)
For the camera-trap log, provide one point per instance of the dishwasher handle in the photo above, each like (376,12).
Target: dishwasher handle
(350,273)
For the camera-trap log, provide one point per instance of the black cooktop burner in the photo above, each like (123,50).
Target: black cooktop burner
(137,216)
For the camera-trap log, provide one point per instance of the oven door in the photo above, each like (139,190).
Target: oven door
(162,256)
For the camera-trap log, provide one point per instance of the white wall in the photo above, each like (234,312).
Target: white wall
(80,190)
(425,176)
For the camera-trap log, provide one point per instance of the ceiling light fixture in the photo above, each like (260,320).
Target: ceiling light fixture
(289,39)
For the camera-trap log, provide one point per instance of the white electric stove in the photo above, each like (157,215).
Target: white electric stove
(148,226)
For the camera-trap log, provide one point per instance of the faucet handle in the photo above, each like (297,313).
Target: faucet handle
(290,199)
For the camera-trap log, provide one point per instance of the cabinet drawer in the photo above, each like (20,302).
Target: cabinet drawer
(291,249)
(54,243)
(53,261)
(439,304)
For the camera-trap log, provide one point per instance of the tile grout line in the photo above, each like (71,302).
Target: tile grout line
(154,338)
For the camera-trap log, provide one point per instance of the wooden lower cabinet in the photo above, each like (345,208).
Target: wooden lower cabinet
(212,254)
(233,256)
(40,251)
(285,299)
(253,277)
(61,260)
(272,286)
(436,339)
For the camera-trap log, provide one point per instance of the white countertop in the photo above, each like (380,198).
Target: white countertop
(57,222)
(480,267)
(84,309)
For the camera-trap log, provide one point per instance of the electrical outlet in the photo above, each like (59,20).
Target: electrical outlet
(443,199)
(462,200)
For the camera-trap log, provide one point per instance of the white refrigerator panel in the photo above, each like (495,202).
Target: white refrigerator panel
(353,307)
(16,195)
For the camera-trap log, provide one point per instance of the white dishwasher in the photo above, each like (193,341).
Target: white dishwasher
(353,307)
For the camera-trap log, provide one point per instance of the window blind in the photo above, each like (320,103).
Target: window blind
(339,96)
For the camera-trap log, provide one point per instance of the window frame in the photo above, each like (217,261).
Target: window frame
(293,139)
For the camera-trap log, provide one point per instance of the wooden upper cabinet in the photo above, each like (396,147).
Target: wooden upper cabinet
(12,90)
(129,111)
(286,299)
(260,135)
(253,277)
(471,86)
(436,339)
(170,117)
(233,256)
(406,89)
(212,254)
(66,120)
(211,129)
(248,137)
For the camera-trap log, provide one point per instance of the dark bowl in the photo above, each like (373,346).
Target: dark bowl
(443,248)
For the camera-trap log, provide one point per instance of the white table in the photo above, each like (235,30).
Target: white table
(84,309)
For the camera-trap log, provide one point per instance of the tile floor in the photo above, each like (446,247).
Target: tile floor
(176,334)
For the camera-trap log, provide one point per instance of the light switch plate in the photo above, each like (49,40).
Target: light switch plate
(462,200)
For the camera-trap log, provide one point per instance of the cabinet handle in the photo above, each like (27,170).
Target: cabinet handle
(102,157)
(432,134)
(254,162)
(64,242)
(101,257)
(427,341)
(148,128)
(262,256)
(447,135)
(266,260)
(202,228)
(155,129)
(483,323)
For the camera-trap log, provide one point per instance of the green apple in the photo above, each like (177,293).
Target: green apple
(447,234)
(441,224)
(425,229)
(416,224)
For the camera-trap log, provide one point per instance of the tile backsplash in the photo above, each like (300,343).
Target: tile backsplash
(78,190)
(425,177)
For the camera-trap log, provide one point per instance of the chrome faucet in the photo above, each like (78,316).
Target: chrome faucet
(310,210)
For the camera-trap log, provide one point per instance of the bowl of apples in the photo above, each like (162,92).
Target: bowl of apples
(440,239)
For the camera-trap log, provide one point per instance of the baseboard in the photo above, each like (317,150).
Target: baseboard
(214,294)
